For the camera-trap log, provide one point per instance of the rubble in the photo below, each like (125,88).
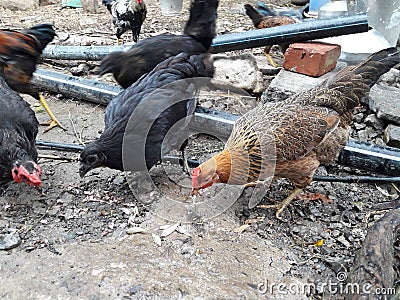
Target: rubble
(392,136)
(384,101)
(240,71)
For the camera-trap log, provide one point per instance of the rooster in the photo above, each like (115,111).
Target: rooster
(127,15)
(127,67)
(301,132)
(22,50)
(260,21)
(18,130)
(149,109)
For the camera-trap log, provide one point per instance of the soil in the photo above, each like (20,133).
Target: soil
(77,238)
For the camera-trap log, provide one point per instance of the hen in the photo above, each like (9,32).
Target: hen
(261,21)
(22,50)
(18,130)
(127,15)
(143,114)
(127,67)
(298,134)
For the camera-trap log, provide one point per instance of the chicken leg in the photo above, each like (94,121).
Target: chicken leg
(282,205)
(53,120)
(266,53)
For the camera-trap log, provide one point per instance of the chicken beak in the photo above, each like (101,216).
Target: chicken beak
(83,169)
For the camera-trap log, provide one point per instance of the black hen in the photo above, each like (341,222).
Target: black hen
(127,67)
(18,130)
(141,116)
(127,15)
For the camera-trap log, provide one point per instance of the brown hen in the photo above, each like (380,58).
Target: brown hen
(260,21)
(295,135)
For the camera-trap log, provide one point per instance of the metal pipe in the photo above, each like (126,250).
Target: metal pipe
(371,157)
(298,32)
(193,163)
(378,159)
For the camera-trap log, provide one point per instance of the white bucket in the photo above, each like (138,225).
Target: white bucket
(171,7)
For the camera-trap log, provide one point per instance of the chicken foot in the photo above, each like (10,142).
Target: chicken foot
(282,205)
(53,120)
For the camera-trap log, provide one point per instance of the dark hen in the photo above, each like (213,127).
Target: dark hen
(127,15)
(22,50)
(260,21)
(18,130)
(296,135)
(127,67)
(142,115)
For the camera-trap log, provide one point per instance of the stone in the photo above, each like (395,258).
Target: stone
(312,59)
(287,83)
(384,101)
(391,77)
(241,71)
(392,136)
(19,4)
(373,121)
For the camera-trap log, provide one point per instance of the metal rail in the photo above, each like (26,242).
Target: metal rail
(379,159)
(298,32)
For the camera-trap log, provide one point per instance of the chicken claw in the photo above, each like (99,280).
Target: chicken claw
(53,122)
(271,61)
(282,205)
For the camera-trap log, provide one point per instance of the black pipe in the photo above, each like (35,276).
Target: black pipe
(195,163)
(372,157)
(298,32)
(378,159)
(75,87)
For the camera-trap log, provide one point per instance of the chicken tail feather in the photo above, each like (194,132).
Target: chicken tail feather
(43,33)
(253,14)
(201,23)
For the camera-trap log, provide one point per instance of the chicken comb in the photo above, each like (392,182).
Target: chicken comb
(196,172)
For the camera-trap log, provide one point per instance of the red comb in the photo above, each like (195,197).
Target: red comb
(196,172)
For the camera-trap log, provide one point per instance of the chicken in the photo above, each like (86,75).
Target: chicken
(21,50)
(127,15)
(162,97)
(261,21)
(18,130)
(296,135)
(127,67)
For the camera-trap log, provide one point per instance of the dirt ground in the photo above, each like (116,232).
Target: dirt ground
(78,236)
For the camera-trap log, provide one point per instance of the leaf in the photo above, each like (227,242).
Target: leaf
(319,243)
(242,228)
(134,230)
(170,229)
(156,239)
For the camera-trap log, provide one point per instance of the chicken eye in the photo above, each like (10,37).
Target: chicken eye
(91,159)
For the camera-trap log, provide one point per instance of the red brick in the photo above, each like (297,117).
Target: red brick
(312,59)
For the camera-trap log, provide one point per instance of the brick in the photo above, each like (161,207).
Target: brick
(312,59)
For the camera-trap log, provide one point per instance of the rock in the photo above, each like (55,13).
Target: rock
(365,134)
(286,83)
(81,69)
(384,101)
(391,77)
(359,126)
(240,71)
(264,66)
(48,2)
(358,117)
(207,104)
(373,121)
(9,241)
(392,136)
(19,4)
